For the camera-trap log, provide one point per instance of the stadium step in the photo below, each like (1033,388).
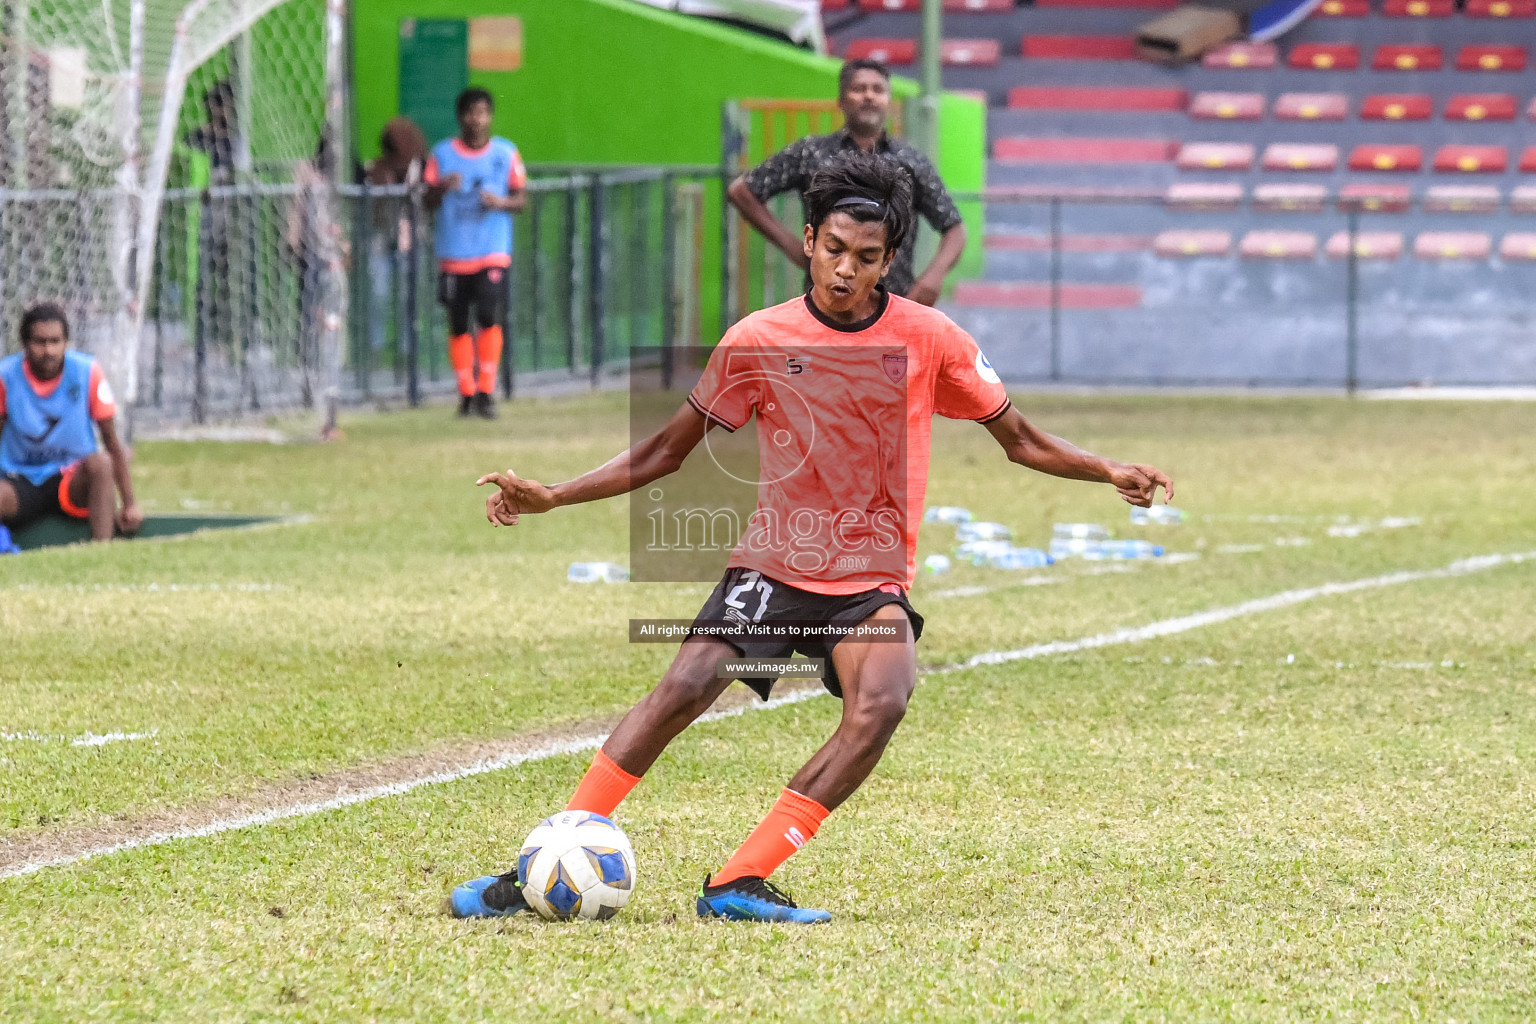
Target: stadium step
(1084,151)
(1038,295)
(1079,48)
(1093,98)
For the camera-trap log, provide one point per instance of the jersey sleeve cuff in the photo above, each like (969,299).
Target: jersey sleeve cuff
(712,417)
(1007,404)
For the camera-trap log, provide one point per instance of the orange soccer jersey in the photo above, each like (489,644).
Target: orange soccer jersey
(844,416)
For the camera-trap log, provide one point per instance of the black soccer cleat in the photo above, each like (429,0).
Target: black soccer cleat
(754,899)
(466,406)
(485,407)
(489,896)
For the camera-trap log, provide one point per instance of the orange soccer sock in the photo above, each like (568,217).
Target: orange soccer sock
(603,788)
(795,818)
(461,353)
(488,348)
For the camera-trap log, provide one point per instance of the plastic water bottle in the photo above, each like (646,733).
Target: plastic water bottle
(1072,547)
(952,514)
(982,531)
(936,564)
(1020,558)
(1123,550)
(978,551)
(1157,515)
(596,572)
(1079,531)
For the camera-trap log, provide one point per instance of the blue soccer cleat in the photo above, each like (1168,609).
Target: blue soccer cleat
(754,899)
(490,896)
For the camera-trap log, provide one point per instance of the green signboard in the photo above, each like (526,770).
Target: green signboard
(434,69)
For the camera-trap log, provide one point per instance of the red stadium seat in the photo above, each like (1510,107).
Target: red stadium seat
(1375,157)
(1481,106)
(1192,242)
(1122,4)
(1083,151)
(1452,245)
(1409,57)
(1079,47)
(971,53)
(1227,106)
(1325,56)
(1216,156)
(1519,245)
(1491,57)
(1087,98)
(1243,55)
(1522,199)
(1528,159)
(1278,245)
(873,6)
(1461,199)
(978,6)
(1039,295)
(1202,195)
(889,51)
(834,5)
(1418,8)
(1369,245)
(1300,156)
(1343,9)
(1311,106)
(1472,159)
(1375,197)
(1397,106)
(1290,198)
(1500,9)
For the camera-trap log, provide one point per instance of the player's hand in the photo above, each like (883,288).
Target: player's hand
(492,201)
(130,518)
(453,182)
(1138,484)
(514,497)
(925,291)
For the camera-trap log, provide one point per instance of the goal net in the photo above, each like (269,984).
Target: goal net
(165,177)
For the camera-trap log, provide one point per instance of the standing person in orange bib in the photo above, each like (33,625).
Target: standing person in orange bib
(844,382)
(476,183)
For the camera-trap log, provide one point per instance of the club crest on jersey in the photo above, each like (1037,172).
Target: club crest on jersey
(895,367)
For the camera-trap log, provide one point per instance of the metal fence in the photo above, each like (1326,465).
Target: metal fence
(236,312)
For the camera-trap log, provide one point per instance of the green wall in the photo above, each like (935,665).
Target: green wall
(617,82)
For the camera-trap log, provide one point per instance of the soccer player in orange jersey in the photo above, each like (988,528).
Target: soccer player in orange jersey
(834,537)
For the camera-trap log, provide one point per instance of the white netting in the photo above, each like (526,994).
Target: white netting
(162,169)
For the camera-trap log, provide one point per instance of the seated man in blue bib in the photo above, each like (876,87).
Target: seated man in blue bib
(52,403)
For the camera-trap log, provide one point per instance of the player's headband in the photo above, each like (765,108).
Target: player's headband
(856,201)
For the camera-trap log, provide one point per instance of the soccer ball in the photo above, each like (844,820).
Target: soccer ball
(576,865)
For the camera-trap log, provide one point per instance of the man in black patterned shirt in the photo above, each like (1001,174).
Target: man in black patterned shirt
(864,94)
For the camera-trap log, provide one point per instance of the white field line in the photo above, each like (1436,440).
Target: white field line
(86,739)
(1284,599)
(1166,627)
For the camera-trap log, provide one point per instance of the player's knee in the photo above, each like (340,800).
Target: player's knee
(97,467)
(880,711)
(685,691)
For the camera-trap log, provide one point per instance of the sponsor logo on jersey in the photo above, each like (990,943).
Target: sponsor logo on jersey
(984,369)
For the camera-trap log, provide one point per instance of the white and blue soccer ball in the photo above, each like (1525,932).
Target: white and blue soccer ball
(577,865)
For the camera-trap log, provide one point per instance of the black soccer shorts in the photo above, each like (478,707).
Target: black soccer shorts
(49,498)
(746,599)
(483,292)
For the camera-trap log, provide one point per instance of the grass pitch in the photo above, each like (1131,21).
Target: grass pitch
(1323,810)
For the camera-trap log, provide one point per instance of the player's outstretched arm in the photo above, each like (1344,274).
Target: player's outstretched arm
(653,458)
(1034,449)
